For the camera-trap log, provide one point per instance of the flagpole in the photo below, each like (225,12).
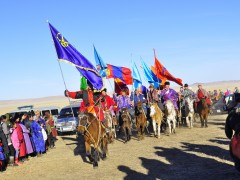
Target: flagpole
(63,77)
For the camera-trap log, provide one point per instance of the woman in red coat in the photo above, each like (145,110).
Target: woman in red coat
(22,150)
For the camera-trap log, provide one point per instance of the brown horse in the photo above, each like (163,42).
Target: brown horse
(94,134)
(141,120)
(202,110)
(126,117)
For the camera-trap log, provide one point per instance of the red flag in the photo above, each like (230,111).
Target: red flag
(161,71)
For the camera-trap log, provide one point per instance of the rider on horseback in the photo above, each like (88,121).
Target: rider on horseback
(123,101)
(187,93)
(136,97)
(169,94)
(202,94)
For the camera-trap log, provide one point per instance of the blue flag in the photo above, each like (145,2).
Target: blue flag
(137,82)
(150,76)
(67,53)
(101,66)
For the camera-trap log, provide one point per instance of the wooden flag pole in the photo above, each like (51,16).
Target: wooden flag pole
(62,76)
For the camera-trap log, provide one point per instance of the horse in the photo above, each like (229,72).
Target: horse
(171,116)
(157,117)
(202,109)
(126,118)
(109,124)
(189,112)
(94,134)
(141,120)
(232,125)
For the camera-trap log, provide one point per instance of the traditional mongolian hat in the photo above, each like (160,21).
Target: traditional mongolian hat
(185,85)
(167,83)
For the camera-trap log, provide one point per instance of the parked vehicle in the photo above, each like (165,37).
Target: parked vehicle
(54,111)
(21,110)
(230,101)
(219,106)
(68,121)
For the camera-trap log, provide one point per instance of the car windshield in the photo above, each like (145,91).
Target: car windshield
(54,112)
(67,112)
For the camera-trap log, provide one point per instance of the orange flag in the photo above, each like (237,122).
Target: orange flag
(161,71)
(159,75)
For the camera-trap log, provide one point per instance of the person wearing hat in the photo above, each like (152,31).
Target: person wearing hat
(169,94)
(90,98)
(106,101)
(187,93)
(136,97)
(152,95)
(202,94)
(123,101)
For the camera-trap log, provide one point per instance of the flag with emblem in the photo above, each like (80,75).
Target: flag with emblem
(67,53)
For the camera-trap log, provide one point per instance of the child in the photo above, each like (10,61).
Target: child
(15,142)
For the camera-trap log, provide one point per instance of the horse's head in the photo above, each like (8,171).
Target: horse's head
(108,118)
(204,102)
(153,107)
(84,119)
(169,107)
(125,114)
(139,108)
(189,104)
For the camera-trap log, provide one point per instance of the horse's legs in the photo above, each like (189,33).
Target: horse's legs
(104,147)
(95,157)
(174,125)
(202,121)
(159,125)
(187,121)
(129,133)
(125,134)
(154,127)
(88,152)
(169,126)
(206,121)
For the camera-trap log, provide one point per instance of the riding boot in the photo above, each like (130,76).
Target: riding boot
(206,124)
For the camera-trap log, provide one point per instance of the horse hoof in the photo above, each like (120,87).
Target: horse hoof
(95,165)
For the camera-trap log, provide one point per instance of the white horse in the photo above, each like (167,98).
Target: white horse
(109,123)
(171,116)
(157,118)
(189,111)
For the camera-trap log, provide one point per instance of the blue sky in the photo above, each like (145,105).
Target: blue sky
(198,41)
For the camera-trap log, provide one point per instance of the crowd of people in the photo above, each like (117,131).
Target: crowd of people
(24,136)
(217,94)
(29,135)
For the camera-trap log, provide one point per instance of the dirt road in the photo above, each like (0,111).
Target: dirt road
(198,153)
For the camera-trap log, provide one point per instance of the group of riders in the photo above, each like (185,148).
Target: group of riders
(98,102)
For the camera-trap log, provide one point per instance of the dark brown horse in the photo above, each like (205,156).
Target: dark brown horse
(126,126)
(94,134)
(202,110)
(141,120)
